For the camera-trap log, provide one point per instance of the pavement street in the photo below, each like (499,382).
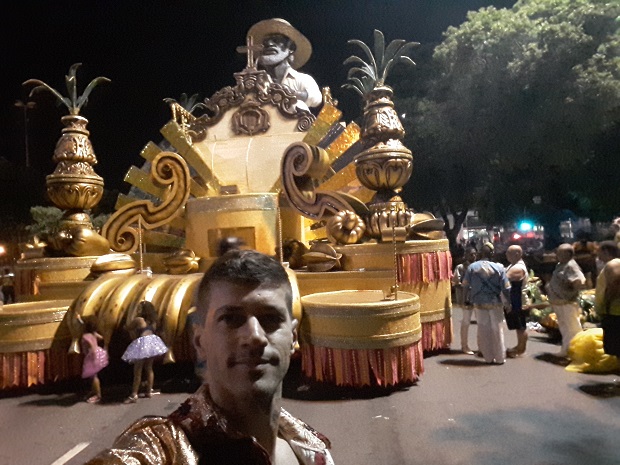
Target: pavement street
(462,411)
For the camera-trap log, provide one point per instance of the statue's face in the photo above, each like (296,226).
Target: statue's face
(275,50)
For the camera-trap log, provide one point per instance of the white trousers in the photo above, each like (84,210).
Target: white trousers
(490,322)
(568,322)
(465,322)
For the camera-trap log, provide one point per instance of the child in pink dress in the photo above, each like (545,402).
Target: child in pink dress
(95,358)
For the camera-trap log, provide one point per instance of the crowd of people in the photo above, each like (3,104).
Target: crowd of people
(496,295)
(245,334)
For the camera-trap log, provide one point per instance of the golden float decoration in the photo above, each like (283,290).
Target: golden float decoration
(337,189)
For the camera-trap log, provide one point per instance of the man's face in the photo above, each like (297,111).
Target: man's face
(246,340)
(275,50)
(603,255)
(564,253)
(470,256)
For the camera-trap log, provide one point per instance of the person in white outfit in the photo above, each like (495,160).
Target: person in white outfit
(487,282)
(516,315)
(462,297)
(563,289)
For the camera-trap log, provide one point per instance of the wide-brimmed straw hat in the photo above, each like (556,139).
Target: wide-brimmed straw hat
(272,26)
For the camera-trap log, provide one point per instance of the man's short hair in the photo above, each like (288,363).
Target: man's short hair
(487,250)
(567,249)
(610,248)
(244,268)
(516,248)
(147,310)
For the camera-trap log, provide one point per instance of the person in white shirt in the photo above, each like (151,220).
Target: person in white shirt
(516,315)
(563,290)
(462,297)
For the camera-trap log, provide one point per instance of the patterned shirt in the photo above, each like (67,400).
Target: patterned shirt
(487,281)
(198,433)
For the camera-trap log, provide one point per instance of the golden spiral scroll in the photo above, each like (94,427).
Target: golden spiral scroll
(168,170)
(303,165)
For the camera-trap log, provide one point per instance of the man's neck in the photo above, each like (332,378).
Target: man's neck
(258,418)
(278,71)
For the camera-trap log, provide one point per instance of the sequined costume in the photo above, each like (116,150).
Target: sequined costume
(148,345)
(198,433)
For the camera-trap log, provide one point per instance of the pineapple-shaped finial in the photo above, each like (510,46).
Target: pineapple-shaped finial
(74,186)
(366,76)
(72,101)
(368,79)
(386,164)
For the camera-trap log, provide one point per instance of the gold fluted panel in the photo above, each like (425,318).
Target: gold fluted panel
(328,115)
(113,300)
(168,169)
(141,179)
(194,157)
(349,136)
(150,151)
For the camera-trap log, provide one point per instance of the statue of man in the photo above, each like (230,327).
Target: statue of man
(285,49)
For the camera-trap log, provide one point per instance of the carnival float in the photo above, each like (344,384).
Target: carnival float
(371,277)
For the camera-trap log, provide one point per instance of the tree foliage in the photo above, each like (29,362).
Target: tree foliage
(522,102)
(46,221)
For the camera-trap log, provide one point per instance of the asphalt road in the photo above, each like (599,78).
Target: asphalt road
(462,411)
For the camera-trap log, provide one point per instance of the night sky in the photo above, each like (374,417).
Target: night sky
(153,49)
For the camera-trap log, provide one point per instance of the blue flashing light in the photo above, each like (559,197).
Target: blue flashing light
(525,226)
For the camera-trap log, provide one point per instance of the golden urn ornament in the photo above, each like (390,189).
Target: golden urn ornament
(386,164)
(74,186)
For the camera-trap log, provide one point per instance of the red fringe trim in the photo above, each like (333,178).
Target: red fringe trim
(363,367)
(424,267)
(24,369)
(437,335)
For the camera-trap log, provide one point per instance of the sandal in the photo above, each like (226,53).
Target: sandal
(93,399)
(131,400)
(152,393)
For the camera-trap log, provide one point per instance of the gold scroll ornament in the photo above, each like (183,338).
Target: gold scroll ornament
(301,165)
(168,170)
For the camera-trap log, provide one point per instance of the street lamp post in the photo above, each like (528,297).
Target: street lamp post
(25,107)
